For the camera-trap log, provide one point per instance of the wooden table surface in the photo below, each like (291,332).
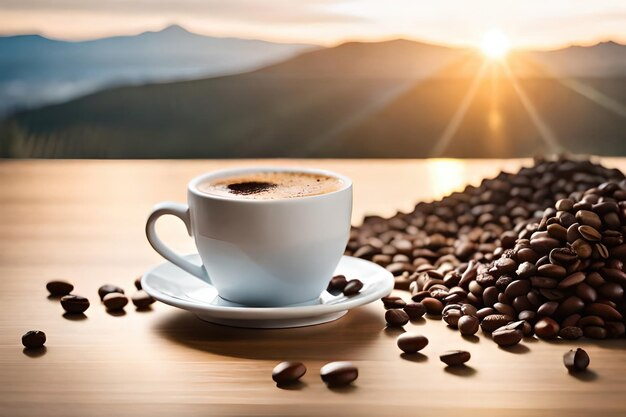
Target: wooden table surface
(83,221)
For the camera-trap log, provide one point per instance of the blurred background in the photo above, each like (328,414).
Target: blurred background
(311,78)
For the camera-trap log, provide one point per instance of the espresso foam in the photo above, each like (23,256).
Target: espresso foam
(272,185)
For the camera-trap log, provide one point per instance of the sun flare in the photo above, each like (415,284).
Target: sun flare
(495,44)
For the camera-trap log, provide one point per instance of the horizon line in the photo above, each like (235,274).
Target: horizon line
(341,41)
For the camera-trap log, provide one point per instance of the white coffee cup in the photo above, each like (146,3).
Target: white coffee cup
(258,252)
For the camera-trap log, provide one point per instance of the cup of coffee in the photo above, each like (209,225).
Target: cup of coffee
(266,236)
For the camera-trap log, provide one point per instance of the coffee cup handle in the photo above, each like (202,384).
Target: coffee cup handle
(182,212)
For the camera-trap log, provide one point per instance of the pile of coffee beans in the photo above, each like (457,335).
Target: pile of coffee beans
(540,251)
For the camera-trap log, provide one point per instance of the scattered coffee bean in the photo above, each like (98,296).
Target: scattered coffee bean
(576,360)
(142,300)
(337,284)
(287,373)
(415,311)
(108,289)
(455,357)
(411,343)
(353,287)
(507,337)
(392,302)
(59,288)
(468,325)
(115,301)
(138,283)
(339,374)
(451,317)
(74,304)
(396,317)
(33,339)
(433,306)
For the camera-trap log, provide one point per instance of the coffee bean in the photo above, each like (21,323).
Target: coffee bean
(612,291)
(571,333)
(595,332)
(287,373)
(468,325)
(396,317)
(588,218)
(507,337)
(353,287)
(590,321)
(570,306)
(517,288)
(415,310)
(582,248)
(615,329)
(546,328)
(527,315)
(455,357)
(526,269)
(468,310)
(108,289)
(494,321)
(557,231)
(563,256)
(602,250)
(571,320)
(552,271)
(339,374)
(411,343)
(138,283)
(74,304)
(59,288)
(576,360)
(547,308)
(142,299)
(504,309)
(484,312)
(603,310)
(115,301)
(393,302)
(337,284)
(564,204)
(589,233)
(33,339)
(433,306)
(451,317)
(572,280)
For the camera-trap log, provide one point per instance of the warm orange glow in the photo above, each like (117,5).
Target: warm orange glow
(495,44)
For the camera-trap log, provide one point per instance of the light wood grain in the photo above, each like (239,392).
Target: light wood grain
(83,221)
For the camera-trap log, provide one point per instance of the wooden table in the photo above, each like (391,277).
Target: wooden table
(84,221)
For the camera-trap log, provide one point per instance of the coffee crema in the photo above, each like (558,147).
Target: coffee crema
(272,185)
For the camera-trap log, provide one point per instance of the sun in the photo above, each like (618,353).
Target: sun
(495,44)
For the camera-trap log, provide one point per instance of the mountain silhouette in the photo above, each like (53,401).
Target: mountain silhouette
(35,69)
(359,99)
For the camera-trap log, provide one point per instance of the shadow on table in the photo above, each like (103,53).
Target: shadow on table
(337,340)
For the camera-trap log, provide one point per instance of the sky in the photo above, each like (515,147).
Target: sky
(539,24)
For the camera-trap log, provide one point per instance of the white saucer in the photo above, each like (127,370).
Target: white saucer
(171,285)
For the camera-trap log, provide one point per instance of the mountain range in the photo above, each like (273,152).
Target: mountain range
(396,98)
(35,70)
